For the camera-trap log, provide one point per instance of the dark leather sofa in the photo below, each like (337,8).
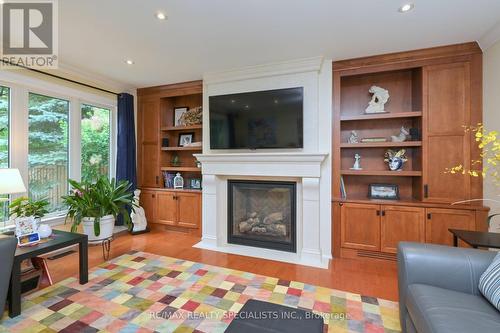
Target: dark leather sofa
(7,251)
(438,290)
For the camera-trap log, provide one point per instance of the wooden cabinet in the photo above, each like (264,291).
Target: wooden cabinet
(400,224)
(189,210)
(437,93)
(438,221)
(360,225)
(374,230)
(167,208)
(148,202)
(180,210)
(149,143)
(447,101)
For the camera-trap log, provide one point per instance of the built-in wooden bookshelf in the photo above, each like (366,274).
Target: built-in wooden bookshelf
(175,209)
(435,91)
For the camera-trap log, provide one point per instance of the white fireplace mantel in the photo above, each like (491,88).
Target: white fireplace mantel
(304,168)
(299,165)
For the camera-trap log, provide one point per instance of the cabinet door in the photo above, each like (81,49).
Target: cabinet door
(166,208)
(189,208)
(446,144)
(149,144)
(400,224)
(148,202)
(440,220)
(360,226)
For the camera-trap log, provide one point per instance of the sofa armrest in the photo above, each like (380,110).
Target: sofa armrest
(446,267)
(7,252)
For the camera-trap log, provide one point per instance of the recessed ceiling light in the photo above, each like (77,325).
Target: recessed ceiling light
(129,62)
(161,16)
(406,8)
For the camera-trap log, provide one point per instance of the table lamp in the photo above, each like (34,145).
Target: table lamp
(11,182)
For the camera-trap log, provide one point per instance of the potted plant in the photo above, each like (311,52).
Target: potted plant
(27,207)
(96,206)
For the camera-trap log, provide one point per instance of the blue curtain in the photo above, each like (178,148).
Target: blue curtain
(125,154)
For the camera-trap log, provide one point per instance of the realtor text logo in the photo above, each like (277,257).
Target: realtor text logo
(29,33)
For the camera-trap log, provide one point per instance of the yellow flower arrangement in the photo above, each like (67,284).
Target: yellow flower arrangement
(488,165)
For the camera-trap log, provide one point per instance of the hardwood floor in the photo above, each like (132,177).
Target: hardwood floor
(369,278)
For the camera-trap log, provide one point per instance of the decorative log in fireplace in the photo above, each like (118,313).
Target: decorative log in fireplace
(262,214)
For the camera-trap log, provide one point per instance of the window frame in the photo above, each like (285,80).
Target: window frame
(20,86)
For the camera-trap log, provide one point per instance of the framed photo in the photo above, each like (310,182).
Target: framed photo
(383,191)
(185,139)
(195,183)
(178,113)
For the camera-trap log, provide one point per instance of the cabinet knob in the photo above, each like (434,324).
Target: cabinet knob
(153,195)
(341,204)
(429,216)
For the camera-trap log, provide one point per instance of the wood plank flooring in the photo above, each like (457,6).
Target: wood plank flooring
(367,277)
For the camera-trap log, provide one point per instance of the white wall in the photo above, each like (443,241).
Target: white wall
(491,116)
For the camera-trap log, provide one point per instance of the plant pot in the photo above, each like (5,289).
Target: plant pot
(107,224)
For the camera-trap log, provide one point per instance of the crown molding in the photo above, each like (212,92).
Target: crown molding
(267,70)
(79,74)
(490,37)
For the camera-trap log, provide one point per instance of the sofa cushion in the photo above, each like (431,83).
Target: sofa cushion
(434,309)
(489,282)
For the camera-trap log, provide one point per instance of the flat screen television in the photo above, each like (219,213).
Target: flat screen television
(257,120)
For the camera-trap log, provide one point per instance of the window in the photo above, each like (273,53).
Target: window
(96,139)
(4,126)
(48,149)
(4,135)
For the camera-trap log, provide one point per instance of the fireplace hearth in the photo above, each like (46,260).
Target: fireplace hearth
(262,214)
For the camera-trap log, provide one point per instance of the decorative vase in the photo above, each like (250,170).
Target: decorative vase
(107,224)
(44,230)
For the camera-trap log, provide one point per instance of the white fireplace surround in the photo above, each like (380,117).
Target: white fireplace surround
(309,167)
(304,169)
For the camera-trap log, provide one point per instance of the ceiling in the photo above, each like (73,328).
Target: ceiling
(199,36)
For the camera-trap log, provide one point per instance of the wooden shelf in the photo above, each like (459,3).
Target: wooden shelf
(181,128)
(165,189)
(382,144)
(181,168)
(181,148)
(381,173)
(411,114)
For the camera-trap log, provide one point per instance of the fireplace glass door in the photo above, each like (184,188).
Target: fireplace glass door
(262,214)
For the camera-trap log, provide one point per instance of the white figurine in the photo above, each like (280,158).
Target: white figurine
(402,137)
(357,163)
(354,138)
(138,216)
(379,98)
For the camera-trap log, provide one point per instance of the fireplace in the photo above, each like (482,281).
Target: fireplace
(262,214)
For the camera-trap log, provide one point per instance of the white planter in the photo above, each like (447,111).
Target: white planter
(107,224)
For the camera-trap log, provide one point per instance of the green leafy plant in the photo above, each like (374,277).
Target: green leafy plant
(98,199)
(25,207)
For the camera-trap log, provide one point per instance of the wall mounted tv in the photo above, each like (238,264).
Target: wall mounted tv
(257,120)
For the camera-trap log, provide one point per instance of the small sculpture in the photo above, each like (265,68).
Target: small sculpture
(138,216)
(178,181)
(395,159)
(402,137)
(175,160)
(379,98)
(353,138)
(357,163)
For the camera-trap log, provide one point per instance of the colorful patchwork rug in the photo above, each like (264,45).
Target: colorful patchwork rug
(143,292)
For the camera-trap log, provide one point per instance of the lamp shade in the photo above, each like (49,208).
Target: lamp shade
(11,182)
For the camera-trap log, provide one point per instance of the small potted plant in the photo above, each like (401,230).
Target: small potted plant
(27,207)
(96,206)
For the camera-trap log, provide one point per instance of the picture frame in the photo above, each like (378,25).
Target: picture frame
(195,183)
(185,139)
(178,113)
(383,191)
